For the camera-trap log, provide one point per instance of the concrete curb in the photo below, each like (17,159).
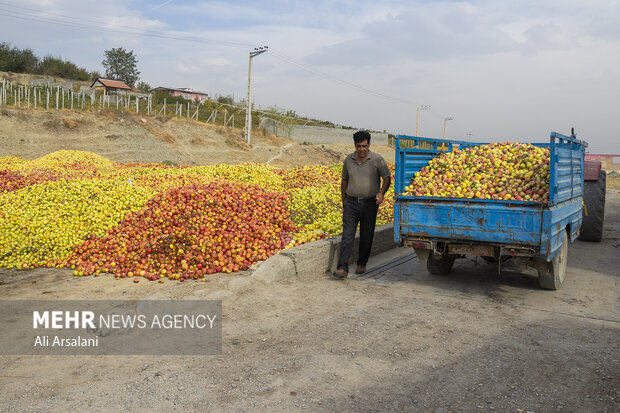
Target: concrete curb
(315,259)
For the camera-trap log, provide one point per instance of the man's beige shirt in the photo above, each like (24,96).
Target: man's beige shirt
(365,178)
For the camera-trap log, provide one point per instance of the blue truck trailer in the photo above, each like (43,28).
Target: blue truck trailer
(533,234)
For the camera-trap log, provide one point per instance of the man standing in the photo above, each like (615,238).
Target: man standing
(362,193)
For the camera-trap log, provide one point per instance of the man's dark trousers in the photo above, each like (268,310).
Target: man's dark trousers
(363,211)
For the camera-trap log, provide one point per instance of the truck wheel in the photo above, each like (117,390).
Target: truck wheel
(594,200)
(551,276)
(439,264)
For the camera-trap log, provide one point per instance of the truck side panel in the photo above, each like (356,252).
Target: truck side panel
(565,216)
(566,170)
(475,222)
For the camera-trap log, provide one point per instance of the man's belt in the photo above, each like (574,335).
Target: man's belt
(361,199)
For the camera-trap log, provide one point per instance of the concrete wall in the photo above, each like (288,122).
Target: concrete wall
(319,258)
(317,134)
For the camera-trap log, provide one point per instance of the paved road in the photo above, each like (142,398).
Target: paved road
(591,288)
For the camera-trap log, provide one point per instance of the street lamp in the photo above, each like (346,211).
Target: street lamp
(444,125)
(248,115)
(417,116)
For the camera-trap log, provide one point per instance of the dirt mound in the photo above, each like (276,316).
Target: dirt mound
(131,137)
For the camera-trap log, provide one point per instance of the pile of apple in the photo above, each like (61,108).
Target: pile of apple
(79,210)
(41,223)
(190,232)
(499,171)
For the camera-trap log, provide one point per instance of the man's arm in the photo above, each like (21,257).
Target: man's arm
(343,189)
(387,180)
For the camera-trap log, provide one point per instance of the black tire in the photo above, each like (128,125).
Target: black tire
(594,207)
(551,276)
(439,264)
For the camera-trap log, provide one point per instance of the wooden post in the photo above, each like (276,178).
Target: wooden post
(187,110)
(137,103)
(57,93)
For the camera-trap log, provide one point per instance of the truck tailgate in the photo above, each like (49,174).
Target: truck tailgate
(469,221)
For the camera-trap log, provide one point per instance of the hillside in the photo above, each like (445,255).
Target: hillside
(127,137)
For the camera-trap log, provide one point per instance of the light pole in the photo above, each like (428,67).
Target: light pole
(444,125)
(417,117)
(248,114)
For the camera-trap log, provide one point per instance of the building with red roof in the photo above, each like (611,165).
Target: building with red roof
(111,86)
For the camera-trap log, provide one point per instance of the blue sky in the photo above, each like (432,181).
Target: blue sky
(505,70)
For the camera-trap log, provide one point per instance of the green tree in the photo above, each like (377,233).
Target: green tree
(143,87)
(226,99)
(122,65)
(16,60)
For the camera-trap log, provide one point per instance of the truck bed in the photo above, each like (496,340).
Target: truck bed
(535,225)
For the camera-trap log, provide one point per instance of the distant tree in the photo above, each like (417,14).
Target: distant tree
(143,87)
(16,60)
(122,65)
(57,67)
(226,99)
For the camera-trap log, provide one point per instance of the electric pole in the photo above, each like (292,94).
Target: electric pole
(417,117)
(444,125)
(248,114)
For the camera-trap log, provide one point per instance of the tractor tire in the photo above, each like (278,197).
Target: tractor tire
(551,275)
(594,209)
(440,264)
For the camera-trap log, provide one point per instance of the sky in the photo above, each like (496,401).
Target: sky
(503,70)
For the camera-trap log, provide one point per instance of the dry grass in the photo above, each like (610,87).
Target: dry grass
(166,137)
(197,140)
(69,124)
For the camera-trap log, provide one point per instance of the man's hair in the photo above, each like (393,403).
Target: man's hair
(360,136)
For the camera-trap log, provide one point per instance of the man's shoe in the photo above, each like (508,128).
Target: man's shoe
(340,274)
(361,269)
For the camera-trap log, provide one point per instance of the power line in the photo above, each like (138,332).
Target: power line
(77,23)
(290,60)
(103,26)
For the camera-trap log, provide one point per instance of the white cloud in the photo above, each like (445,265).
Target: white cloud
(503,69)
